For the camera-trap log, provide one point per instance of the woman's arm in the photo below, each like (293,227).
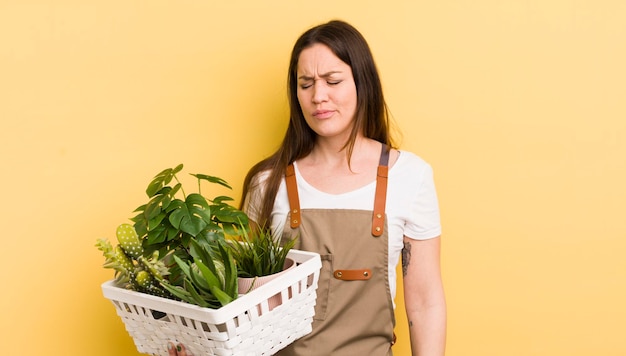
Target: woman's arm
(424,297)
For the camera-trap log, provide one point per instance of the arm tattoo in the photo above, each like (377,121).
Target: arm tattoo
(406,258)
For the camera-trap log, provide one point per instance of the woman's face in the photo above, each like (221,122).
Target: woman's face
(326,92)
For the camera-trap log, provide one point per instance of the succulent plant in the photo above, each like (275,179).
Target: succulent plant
(208,281)
(132,269)
(258,253)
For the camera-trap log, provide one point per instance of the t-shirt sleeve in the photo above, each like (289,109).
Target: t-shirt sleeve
(423,220)
(254,199)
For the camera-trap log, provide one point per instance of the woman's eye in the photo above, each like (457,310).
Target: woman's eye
(306,85)
(333,82)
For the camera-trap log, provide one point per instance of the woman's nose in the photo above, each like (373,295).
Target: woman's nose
(320,93)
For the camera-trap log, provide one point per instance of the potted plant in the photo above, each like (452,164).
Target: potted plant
(176,246)
(259,258)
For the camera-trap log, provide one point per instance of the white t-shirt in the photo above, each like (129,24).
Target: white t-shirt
(412,207)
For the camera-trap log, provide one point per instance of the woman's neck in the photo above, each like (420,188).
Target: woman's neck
(328,169)
(331,154)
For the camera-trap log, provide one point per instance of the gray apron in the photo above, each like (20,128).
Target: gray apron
(354,312)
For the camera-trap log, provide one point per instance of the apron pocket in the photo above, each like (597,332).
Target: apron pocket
(323,287)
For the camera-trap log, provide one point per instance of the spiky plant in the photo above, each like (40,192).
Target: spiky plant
(258,253)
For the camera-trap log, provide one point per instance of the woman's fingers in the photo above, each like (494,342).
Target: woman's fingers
(171,349)
(177,350)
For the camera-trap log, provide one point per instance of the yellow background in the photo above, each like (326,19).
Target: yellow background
(518,105)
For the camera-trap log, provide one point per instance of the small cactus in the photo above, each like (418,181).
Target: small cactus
(123,260)
(132,269)
(128,239)
(144,279)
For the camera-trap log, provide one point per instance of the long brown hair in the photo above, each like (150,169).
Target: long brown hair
(371,119)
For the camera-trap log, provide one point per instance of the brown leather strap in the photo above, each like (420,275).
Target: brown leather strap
(292,193)
(380,199)
(353,274)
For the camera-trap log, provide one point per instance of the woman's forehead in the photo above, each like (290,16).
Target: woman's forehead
(319,60)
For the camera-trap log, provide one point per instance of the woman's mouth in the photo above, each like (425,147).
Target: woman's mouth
(323,114)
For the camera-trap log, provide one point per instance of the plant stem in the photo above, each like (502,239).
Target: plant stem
(182,190)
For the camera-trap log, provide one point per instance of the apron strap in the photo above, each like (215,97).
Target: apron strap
(292,193)
(380,199)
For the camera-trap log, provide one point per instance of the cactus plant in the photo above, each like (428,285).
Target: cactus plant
(134,270)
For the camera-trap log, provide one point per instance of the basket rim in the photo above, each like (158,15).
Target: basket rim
(307,263)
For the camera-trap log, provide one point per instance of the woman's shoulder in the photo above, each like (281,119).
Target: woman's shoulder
(410,161)
(260,178)
(411,179)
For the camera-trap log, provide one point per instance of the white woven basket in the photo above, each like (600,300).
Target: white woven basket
(244,327)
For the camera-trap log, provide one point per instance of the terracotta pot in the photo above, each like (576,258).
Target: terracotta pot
(248,284)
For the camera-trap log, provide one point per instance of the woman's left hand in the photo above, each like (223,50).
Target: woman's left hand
(177,350)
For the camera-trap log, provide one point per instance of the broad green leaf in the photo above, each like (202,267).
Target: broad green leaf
(211,278)
(159,202)
(201,253)
(177,169)
(172,233)
(210,235)
(193,216)
(183,265)
(222,296)
(159,181)
(177,291)
(221,199)
(175,204)
(140,226)
(162,179)
(194,294)
(230,229)
(157,235)
(175,190)
(230,271)
(212,179)
(199,282)
(140,208)
(156,221)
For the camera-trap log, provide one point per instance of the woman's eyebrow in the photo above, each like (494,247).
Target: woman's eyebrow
(325,75)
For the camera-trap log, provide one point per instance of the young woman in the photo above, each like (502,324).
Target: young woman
(340,186)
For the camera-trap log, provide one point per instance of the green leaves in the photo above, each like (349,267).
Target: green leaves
(176,245)
(192,216)
(171,218)
(259,253)
(204,283)
(162,179)
(211,179)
